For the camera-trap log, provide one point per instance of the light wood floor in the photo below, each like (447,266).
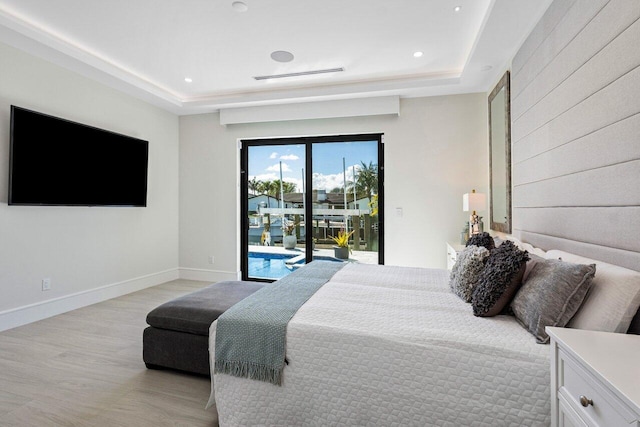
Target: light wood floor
(85,368)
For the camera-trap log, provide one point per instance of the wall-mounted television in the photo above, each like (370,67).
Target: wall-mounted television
(57,162)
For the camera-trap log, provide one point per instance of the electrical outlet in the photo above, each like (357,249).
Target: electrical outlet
(211,259)
(46,284)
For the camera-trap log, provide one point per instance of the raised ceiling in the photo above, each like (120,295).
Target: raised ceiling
(148,47)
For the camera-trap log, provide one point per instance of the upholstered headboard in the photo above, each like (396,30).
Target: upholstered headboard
(576,132)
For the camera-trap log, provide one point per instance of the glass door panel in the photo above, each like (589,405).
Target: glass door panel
(345,201)
(275,210)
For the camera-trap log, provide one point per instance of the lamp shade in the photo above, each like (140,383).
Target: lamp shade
(474,202)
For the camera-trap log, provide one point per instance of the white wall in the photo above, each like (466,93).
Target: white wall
(94,253)
(436,150)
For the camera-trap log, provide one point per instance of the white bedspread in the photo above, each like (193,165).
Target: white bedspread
(382,345)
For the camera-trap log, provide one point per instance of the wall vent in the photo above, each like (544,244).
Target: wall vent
(302,73)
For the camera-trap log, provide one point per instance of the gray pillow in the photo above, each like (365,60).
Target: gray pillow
(551,295)
(533,260)
(465,272)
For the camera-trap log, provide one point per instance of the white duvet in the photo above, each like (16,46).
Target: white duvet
(382,345)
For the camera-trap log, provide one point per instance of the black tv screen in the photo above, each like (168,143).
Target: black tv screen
(58,162)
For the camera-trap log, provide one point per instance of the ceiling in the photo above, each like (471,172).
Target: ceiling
(148,47)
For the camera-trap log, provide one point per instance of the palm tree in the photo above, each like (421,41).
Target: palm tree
(289,187)
(262,187)
(272,188)
(254,185)
(366,180)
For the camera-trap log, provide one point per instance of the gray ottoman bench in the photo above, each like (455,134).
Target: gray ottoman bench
(178,332)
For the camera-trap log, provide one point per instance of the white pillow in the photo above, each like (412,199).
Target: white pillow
(614,297)
(526,246)
(533,250)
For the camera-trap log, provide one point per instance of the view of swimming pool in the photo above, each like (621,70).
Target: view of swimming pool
(273,265)
(268,266)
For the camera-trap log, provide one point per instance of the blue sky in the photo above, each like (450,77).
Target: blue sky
(327,162)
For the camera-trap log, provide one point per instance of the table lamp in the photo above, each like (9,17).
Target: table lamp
(474,202)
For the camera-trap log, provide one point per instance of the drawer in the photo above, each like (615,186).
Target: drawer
(605,410)
(567,417)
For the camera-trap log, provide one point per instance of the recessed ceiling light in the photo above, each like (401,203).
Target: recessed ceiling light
(282,56)
(239,6)
(486,67)
(457,8)
(417,54)
(188,79)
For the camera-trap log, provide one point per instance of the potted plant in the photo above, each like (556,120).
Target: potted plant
(289,238)
(341,251)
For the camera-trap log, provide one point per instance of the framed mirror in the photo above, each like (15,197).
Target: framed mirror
(500,155)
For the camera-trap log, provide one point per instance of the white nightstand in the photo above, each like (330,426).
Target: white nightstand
(452,253)
(595,378)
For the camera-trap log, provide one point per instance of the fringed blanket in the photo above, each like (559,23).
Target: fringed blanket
(250,336)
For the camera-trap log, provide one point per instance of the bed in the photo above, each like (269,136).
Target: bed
(384,345)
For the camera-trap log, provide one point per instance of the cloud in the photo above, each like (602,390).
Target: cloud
(273,155)
(276,168)
(331,181)
(327,182)
(265,177)
(289,157)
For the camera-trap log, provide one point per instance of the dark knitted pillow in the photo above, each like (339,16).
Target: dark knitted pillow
(499,281)
(483,239)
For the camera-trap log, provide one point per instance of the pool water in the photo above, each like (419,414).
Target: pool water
(268,266)
(272,266)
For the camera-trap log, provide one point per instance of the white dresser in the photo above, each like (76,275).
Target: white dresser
(595,378)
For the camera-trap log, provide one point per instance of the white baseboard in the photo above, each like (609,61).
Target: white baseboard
(41,310)
(208,275)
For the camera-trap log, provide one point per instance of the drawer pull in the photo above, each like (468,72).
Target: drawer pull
(584,401)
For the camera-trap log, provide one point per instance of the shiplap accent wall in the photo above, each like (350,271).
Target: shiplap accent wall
(575,97)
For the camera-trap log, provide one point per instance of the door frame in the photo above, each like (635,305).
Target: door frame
(308,141)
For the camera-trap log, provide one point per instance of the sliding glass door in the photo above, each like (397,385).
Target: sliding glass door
(310,198)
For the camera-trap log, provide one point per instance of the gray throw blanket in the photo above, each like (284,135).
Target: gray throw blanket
(250,336)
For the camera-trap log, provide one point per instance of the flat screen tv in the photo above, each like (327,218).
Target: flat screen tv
(56,162)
